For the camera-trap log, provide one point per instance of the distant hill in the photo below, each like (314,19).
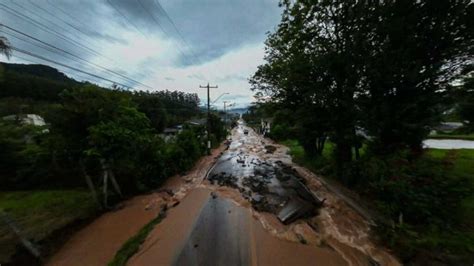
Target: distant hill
(241,110)
(37,82)
(41,71)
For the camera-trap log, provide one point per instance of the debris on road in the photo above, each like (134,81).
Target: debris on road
(270,148)
(264,180)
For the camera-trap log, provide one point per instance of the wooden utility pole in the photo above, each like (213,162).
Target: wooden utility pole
(208,115)
(225,111)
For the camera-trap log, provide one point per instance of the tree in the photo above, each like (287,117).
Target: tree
(381,66)
(5,47)
(466,104)
(417,48)
(6,50)
(313,67)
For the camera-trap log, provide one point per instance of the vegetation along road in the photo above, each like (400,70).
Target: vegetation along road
(239,132)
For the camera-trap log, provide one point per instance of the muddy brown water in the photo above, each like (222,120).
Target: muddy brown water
(267,179)
(206,230)
(234,227)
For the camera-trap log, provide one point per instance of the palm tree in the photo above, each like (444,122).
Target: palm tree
(5,47)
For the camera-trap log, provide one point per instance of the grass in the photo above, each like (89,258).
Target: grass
(314,164)
(463,166)
(132,245)
(39,213)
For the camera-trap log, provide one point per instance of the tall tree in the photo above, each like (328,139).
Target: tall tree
(383,66)
(417,49)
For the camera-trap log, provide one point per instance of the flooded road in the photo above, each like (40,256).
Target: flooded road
(255,207)
(263,179)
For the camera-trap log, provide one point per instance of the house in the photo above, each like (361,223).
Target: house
(171,132)
(197,122)
(27,119)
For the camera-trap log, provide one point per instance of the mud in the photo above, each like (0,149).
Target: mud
(268,180)
(97,243)
(268,184)
(241,194)
(211,230)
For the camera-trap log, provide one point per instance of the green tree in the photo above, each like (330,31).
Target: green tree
(466,104)
(313,67)
(6,50)
(5,47)
(417,48)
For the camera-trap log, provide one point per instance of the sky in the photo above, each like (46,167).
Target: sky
(155,44)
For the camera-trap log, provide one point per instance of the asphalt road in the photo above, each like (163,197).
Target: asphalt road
(220,237)
(208,229)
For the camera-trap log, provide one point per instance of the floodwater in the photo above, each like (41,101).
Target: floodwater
(448,144)
(260,175)
(208,229)
(227,215)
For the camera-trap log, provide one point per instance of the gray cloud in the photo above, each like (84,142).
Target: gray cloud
(211,29)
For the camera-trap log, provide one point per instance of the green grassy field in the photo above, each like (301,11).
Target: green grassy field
(314,164)
(463,166)
(39,213)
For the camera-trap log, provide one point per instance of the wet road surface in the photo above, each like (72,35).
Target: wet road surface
(218,237)
(230,217)
(264,180)
(206,230)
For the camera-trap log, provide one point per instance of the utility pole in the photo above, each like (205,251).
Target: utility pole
(225,112)
(225,115)
(208,115)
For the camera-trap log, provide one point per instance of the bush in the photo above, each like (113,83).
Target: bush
(420,189)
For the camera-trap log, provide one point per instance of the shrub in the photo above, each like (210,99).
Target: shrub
(420,190)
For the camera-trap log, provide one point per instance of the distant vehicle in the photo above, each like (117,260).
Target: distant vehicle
(246,132)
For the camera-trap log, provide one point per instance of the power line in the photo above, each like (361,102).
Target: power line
(58,18)
(78,41)
(64,30)
(125,18)
(67,14)
(36,45)
(160,7)
(47,29)
(163,30)
(73,55)
(33,62)
(67,66)
(88,29)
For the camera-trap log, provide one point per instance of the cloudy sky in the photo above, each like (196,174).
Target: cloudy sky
(162,44)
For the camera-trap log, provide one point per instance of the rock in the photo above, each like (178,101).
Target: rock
(270,149)
(257,198)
